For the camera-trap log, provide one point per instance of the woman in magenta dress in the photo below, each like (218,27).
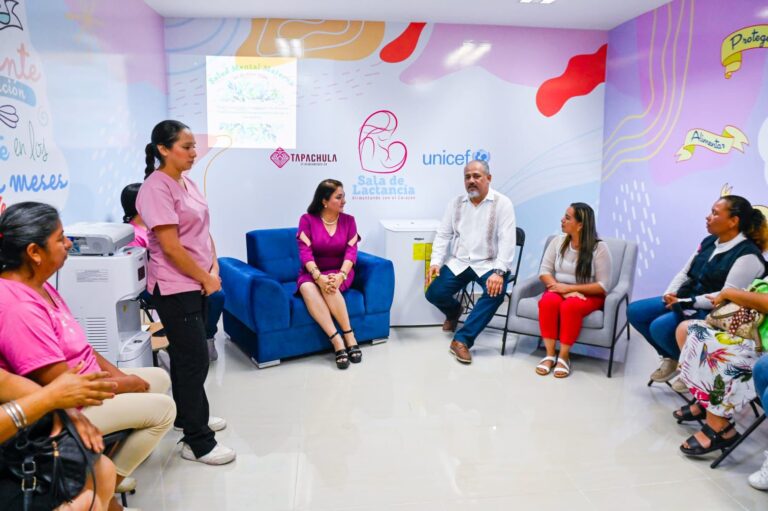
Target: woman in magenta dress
(327,240)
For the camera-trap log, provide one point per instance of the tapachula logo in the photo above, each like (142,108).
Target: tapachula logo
(446,158)
(280,157)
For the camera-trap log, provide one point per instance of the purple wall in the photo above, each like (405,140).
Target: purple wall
(665,78)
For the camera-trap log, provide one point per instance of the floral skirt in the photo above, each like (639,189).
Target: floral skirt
(717,368)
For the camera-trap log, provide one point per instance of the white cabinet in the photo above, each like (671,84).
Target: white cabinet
(409,246)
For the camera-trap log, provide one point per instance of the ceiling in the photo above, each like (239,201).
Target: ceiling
(586,14)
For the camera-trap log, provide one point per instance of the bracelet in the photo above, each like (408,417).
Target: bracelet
(343,273)
(316,274)
(16,413)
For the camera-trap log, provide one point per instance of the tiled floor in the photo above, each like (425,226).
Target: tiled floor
(410,429)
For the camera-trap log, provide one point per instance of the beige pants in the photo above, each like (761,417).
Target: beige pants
(149,414)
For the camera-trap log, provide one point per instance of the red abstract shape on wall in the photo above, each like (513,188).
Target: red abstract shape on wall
(403,45)
(581,76)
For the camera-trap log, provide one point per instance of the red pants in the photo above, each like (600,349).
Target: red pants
(568,312)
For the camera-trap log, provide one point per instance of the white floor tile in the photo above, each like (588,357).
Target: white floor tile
(411,429)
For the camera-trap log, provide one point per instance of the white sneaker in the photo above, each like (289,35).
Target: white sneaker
(759,480)
(215,423)
(212,353)
(220,455)
(127,485)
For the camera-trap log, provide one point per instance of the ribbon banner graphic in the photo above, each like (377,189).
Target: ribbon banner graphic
(732,138)
(747,38)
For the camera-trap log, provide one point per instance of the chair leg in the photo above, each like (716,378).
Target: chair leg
(504,342)
(610,360)
(124,499)
(744,435)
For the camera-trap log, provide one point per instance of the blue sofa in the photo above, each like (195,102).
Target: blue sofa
(264,317)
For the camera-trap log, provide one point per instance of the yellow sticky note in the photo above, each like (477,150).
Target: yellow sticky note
(420,251)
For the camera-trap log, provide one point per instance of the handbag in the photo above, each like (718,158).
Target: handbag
(742,321)
(49,470)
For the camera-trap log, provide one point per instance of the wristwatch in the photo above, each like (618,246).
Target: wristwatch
(499,272)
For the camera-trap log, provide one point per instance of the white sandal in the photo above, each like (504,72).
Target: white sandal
(562,372)
(544,367)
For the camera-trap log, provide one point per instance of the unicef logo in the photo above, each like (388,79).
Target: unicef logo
(483,155)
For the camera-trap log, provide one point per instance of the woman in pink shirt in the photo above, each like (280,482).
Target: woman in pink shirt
(131,215)
(40,339)
(182,272)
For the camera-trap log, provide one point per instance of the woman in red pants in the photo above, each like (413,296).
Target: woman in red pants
(577,271)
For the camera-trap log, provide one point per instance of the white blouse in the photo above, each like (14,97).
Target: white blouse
(563,268)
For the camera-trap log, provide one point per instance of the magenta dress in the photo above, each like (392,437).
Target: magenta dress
(328,252)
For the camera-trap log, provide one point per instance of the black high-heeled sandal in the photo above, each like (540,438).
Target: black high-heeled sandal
(355,355)
(342,359)
(716,441)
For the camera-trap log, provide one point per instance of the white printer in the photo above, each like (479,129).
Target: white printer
(101,281)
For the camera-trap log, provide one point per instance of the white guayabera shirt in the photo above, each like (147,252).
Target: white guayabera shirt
(480,237)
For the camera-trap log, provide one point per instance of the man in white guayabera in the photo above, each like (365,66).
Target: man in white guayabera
(475,242)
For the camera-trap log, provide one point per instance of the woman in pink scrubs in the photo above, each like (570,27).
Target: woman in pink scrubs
(183,271)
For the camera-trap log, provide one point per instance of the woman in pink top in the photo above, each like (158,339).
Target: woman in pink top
(182,272)
(131,215)
(327,240)
(40,339)
(215,301)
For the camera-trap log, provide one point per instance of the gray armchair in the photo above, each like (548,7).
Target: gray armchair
(600,328)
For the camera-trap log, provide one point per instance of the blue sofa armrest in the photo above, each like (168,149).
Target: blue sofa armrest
(375,278)
(254,297)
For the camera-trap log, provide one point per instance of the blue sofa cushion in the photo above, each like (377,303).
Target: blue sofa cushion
(274,251)
(300,315)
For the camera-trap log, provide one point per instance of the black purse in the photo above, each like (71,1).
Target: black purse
(49,470)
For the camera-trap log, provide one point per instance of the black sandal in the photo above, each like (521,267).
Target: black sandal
(685,414)
(355,355)
(717,442)
(342,359)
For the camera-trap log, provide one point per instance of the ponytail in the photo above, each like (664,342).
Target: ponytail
(150,152)
(165,134)
(128,201)
(752,222)
(758,229)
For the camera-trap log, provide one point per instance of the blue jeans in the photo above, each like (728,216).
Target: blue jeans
(441,294)
(215,308)
(657,324)
(760,374)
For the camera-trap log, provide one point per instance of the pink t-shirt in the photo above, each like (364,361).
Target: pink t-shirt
(35,334)
(163,201)
(140,236)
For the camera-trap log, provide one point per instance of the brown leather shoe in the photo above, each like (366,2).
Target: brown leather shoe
(449,325)
(461,352)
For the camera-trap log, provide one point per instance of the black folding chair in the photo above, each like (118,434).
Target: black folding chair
(468,294)
(112,442)
(759,418)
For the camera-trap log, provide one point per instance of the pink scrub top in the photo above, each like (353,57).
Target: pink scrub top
(164,201)
(140,236)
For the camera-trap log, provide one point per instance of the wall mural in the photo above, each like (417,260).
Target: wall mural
(395,111)
(32,166)
(81,84)
(685,104)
